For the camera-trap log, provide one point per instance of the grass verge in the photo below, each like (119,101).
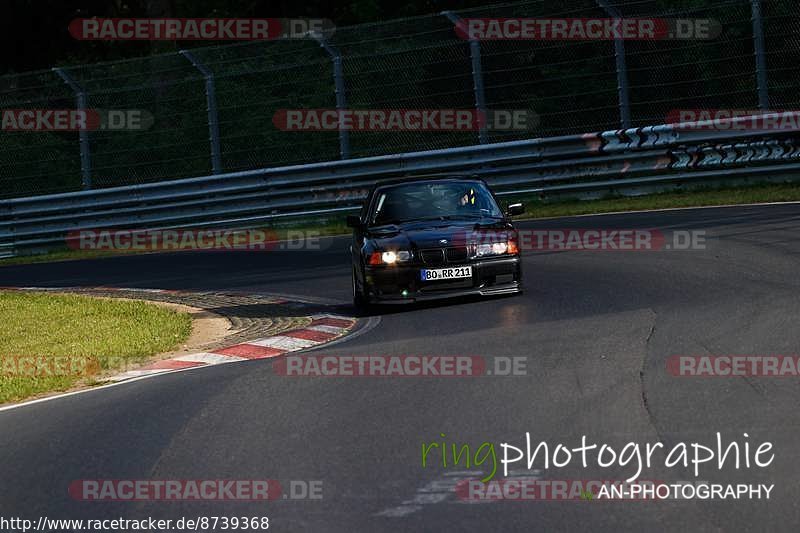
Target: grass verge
(537,208)
(314,228)
(52,342)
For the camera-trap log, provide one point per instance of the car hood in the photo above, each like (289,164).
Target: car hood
(414,235)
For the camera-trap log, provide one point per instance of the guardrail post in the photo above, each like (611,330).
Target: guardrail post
(341,97)
(211,105)
(622,70)
(477,78)
(83,133)
(761,63)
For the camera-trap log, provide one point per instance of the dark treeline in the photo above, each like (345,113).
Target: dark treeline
(35,36)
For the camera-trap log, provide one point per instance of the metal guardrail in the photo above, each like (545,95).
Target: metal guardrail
(607,161)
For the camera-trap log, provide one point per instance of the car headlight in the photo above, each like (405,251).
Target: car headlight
(497,248)
(389,258)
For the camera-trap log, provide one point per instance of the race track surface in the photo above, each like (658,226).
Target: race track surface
(596,329)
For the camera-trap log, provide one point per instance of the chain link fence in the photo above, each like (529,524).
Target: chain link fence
(213,110)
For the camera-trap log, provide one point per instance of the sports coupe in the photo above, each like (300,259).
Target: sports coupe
(432,238)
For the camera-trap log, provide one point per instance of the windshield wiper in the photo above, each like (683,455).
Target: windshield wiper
(434,217)
(480,216)
(459,216)
(393,222)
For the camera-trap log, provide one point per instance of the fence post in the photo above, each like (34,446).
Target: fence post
(477,78)
(83,133)
(761,63)
(341,97)
(622,70)
(211,105)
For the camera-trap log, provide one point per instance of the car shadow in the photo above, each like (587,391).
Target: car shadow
(376,310)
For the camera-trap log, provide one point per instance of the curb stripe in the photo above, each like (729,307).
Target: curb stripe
(310,335)
(137,374)
(171,364)
(328,329)
(283,343)
(211,358)
(250,351)
(330,321)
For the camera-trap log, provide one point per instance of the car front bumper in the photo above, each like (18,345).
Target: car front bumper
(402,283)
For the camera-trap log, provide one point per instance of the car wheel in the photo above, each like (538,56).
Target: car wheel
(359,300)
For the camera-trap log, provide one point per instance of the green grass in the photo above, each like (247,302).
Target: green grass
(537,208)
(328,227)
(57,255)
(80,335)
(534,208)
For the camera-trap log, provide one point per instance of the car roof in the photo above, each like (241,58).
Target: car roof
(431,178)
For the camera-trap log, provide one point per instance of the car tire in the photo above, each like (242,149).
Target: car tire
(359,300)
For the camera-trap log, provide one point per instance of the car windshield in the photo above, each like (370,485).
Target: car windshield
(435,200)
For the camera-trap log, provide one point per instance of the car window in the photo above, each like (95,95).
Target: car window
(422,200)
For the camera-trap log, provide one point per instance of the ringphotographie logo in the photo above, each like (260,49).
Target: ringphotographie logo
(636,457)
(197,29)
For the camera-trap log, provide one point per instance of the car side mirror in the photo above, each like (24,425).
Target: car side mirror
(515,209)
(353,221)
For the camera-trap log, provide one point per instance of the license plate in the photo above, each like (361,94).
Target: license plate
(434,274)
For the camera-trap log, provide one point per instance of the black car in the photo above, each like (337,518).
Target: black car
(431,238)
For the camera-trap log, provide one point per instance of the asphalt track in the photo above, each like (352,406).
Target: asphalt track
(595,327)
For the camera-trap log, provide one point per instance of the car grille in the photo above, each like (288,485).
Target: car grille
(438,256)
(456,254)
(432,257)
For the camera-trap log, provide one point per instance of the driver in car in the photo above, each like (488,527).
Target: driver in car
(468,199)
